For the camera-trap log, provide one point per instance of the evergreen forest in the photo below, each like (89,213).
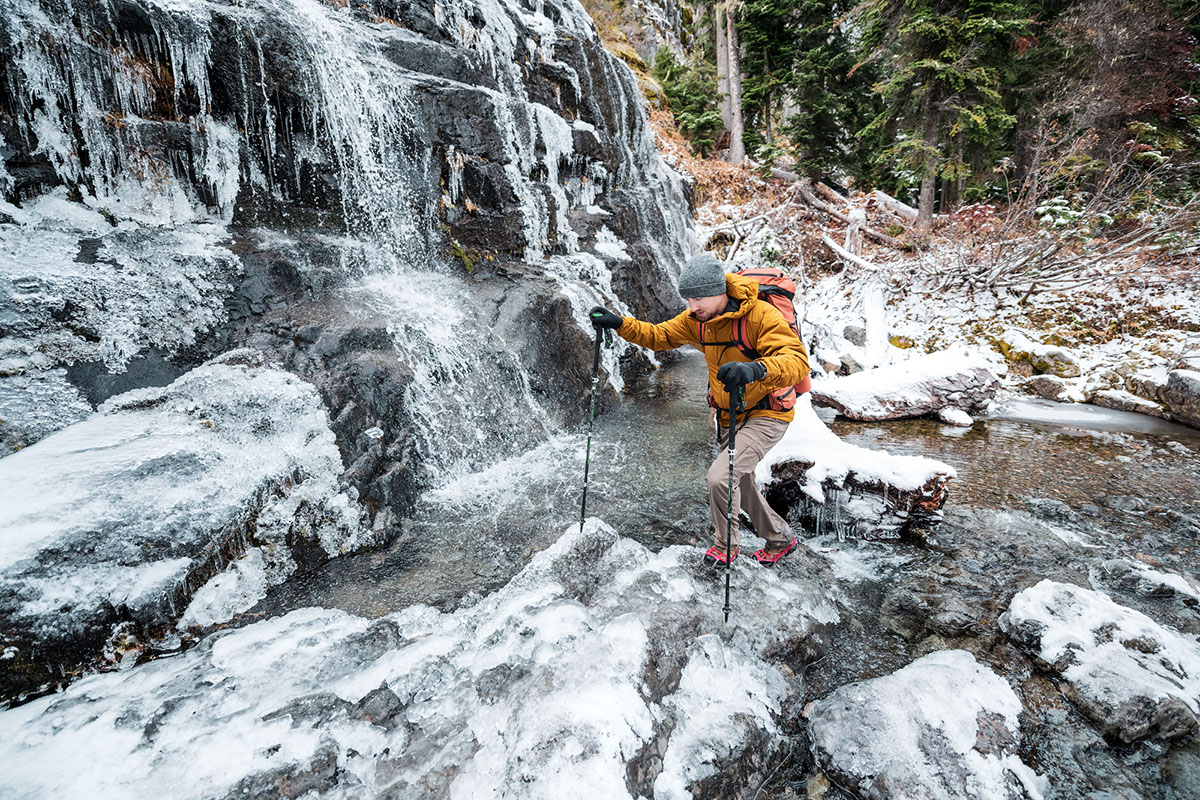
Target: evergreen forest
(1083,109)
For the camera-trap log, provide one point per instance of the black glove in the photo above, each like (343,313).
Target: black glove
(603,318)
(739,373)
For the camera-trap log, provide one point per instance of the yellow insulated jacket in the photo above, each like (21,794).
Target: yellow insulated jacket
(764,330)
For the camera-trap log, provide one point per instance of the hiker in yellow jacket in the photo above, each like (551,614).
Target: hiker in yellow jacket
(723,310)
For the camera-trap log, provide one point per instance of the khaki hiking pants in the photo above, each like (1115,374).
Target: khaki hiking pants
(755,437)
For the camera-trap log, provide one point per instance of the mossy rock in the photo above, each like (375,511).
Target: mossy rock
(903,342)
(627,54)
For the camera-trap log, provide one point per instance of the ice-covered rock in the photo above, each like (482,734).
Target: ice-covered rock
(816,479)
(956,417)
(1021,350)
(1182,396)
(1132,677)
(1145,580)
(1051,387)
(601,670)
(113,525)
(397,178)
(923,385)
(1121,400)
(944,727)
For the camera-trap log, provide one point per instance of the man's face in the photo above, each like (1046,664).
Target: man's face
(705,308)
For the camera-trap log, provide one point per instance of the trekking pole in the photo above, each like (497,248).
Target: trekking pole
(735,402)
(587,458)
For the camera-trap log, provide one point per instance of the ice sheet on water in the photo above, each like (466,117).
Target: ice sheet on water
(543,689)
(808,439)
(943,727)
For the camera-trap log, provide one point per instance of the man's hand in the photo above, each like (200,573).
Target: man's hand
(740,373)
(601,317)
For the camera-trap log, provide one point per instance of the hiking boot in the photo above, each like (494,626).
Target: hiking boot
(716,555)
(769,559)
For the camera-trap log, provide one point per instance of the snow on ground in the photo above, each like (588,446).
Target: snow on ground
(131,507)
(1116,332)
(809,440)
(944,726)
(598,654)
(1132,676)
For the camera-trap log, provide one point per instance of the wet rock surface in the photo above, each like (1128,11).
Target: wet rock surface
(117,523)
(912,388)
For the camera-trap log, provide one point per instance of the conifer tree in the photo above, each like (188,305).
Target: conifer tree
(942,91)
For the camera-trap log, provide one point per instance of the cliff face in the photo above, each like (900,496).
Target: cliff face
(409,205)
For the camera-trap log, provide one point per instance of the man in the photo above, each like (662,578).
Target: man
(723,310)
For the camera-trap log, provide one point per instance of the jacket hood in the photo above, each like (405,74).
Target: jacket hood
(741,289)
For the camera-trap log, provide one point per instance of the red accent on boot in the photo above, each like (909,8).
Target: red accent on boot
(715,555)
(770,559)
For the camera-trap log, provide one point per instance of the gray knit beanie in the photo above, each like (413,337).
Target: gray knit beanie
(702,276)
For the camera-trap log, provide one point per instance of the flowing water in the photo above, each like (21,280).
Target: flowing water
(649,457)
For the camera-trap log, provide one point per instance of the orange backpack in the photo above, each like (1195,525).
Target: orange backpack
(779,290)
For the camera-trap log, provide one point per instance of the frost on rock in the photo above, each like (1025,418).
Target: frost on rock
(77,289)
(118,521)
(944,727)
(834,487)
(601,670)
(1132,677)
(960,378)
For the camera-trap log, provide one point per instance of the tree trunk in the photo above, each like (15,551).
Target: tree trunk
(737,148)
(767,119)
(722,66)
(929,176)
(960,176)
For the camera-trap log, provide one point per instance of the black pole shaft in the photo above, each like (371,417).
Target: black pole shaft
(587,458)
(729,515)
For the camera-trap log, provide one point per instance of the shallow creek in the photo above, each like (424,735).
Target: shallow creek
(1043,491)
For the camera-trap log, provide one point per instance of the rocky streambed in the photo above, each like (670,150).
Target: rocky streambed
(1039,642)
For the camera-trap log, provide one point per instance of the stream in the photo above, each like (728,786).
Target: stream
(1043,492)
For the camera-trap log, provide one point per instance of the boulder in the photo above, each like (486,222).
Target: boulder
(956,417)
(923,385)
(1049,387)
(1022,351)
(1134,678)
(598,671)
(943,727)
(1121,400)
(824,484)
(186,501)
(1181,396)
(1147,384)
(1145,580)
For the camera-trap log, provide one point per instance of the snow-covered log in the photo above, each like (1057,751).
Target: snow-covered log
(824,484)
(927,384)
(1132,677)
(182,502)
(905,212)
(943,727)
